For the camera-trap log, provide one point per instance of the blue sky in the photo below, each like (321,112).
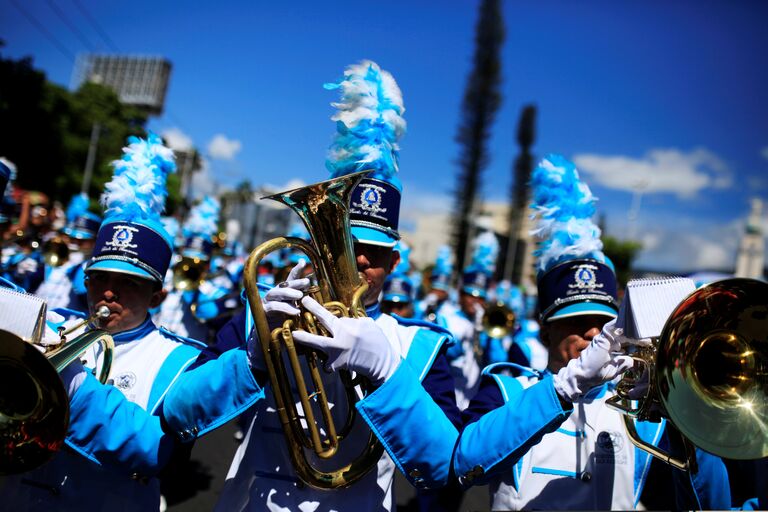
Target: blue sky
(667,97)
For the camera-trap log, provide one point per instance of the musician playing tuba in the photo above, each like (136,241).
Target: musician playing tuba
(115,443)
(412,409)
(546,440)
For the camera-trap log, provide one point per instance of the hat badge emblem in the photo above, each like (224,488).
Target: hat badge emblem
(370,199)
(585,278)
(122,237)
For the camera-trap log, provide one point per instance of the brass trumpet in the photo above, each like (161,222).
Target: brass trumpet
(708,373)
(56,251)
(189,273)
(34,406)
(498,320)
(323,207)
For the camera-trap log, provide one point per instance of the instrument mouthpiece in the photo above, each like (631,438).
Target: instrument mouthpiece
(103,312)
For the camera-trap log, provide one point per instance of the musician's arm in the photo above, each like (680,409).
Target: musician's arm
(503,421)
(111,431)
(218,387)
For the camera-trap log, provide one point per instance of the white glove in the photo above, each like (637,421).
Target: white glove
(50,336)
(430,300)
(617,333)
(597,364)
(73,376)
(357,344)
(26,266)
(280,299)
(478,320)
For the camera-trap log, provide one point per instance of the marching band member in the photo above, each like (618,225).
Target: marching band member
(20,262)
(431,307)
(521,345)
(115,445)
(584,459)
(406,362)
(64,286)
(465,323)
(398,292)
(191,299)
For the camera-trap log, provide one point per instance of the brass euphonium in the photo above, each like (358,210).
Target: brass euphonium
(34,406)
(708,373)
(324,209)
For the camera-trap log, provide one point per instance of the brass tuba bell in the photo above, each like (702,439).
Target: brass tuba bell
(708,373)
(34,406)
(324,209)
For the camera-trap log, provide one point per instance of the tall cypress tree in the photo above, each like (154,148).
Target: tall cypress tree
(481,101)
(520,193)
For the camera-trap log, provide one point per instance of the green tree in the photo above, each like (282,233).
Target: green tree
(622,253)
(46,130)
(481,101)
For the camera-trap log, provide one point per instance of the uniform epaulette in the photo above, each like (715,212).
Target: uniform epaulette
(70,313)
(178,337)
(412,322)
(516,370)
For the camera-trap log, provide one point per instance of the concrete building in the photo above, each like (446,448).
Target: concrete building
(138,81)
(750,258)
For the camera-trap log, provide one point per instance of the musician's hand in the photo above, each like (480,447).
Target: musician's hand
(73,376)
(282,298)
(26,266)
(617,334)
(478,320)
(356,344)
(51,336)
(597,364)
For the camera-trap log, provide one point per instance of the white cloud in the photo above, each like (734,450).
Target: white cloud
(177,140)
(764,152)
(222,148)
(203,182)
(659,171)
(685,245)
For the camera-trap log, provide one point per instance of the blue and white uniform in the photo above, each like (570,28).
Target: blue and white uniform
(261,476)
(545,457)
(57,287)
(115,447)
(464,366)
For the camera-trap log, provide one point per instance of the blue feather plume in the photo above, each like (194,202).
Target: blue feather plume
(485,253)
(78,205)
(369,123)
(404,266)
(444,261)
(563,206)
(138,187)
(203,218)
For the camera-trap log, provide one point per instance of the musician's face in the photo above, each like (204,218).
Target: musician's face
(128,299)
(376,263)
(469,304)
(567,337)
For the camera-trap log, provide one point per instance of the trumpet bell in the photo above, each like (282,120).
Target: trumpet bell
(498,321)
(712,368)
(34,406)
(188,273)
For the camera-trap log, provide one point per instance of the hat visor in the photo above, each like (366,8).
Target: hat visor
(79,234)
(190,253)
(474,291)
(582,309)
(372,236)
(441,286)
(395,297)
(121,267)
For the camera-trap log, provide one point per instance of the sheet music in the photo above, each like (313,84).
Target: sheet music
(649,302)
(22,314)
